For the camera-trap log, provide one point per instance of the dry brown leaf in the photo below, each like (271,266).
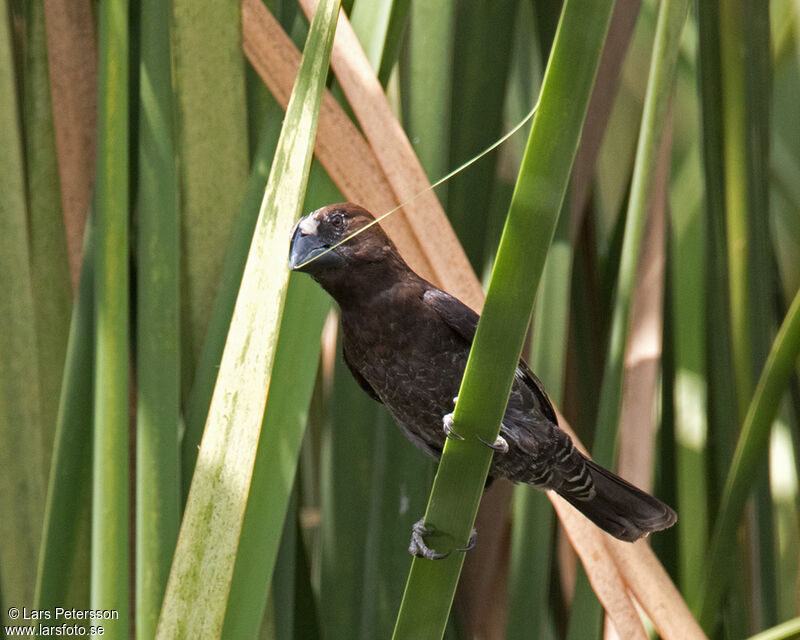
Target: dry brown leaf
(637,428)
(623,21)
(601,569)
(655,591)
(72,58)
(646,578)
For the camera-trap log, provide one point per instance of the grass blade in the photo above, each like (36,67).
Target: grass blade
(484,39)
(426,107)
(380,26)
(784,631)
(620,32)
(738,191)
(296,360)
(400,482)
(532,533)
(672,15)
(487,380)
(761,290)
(199,583)
(196,409)
(396,486)
(687,280)
(340,148)
(157,344)
(211,135)
(63,575)
(21,471)
(393,38)
(750,451)
(735,61)
(52,290)
(110,494)
(722,413)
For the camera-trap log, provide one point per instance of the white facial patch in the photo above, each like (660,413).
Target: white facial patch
(308,225)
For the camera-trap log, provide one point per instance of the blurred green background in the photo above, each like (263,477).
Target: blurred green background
(148,121)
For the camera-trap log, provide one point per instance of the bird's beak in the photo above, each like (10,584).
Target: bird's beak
(306,246)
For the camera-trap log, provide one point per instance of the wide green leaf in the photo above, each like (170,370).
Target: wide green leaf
(63,572)
(110,491)
(199,582)
(157,323)
(211,138)
(22,475)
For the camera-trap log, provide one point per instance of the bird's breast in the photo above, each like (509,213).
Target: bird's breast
(415,367)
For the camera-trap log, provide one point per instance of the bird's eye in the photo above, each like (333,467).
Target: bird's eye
(337,220)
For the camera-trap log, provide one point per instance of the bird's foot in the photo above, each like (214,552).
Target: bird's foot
(473,540)
(418,548)
(500,445)
(447,427)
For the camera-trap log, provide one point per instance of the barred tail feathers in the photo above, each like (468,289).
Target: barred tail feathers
(618,507)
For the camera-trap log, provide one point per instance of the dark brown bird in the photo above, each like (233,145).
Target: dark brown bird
(406,343)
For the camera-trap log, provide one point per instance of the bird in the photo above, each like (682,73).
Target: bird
(406,343)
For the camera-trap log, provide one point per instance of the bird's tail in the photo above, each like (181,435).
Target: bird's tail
(620,508)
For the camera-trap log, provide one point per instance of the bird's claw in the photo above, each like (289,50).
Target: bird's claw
(500,445)
(417,547)
(447,427)
(473,539)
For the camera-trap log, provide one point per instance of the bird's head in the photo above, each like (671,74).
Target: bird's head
(315,237)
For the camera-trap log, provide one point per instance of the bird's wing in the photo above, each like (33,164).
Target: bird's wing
(362,381)
(537,387)
(464,321)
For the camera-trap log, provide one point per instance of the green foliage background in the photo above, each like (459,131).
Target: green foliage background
(109,368)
